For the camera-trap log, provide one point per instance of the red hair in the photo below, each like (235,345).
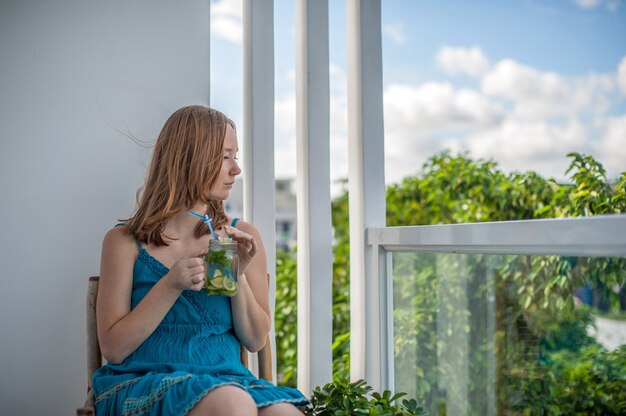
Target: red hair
(185,165)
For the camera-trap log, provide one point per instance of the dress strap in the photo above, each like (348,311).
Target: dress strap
(234,221)
(136,239)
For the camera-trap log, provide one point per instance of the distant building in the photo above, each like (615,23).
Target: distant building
(285,211)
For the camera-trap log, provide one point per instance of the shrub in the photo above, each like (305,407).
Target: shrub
(342,398)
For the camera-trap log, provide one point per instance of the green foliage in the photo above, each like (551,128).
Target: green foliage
(342,398)
(285,319)
(569,332)
(341,287)
(591,381)
(574,374)
(534,307)
(458,190)
(592,193)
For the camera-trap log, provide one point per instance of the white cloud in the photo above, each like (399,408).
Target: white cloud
(611,5)
(421,121)
(519,82)
(588,4)
(232,8)
(621,75)
(395,32)
(590,93)
(227,29)
(285,117)
(339,113)
(537,95)
(227,20)
(522,145)
(285,158)
(469,61)
(523,118)
(435,105)
(337,79)
(285,114)
(338,160)
(416,117)
(612,146)
(336,71)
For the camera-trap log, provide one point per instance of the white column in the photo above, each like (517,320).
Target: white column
(258,130)
(366,182)
(315,267)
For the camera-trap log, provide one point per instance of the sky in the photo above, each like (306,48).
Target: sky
(521,82)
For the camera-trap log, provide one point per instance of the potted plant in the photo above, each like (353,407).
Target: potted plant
(342,398)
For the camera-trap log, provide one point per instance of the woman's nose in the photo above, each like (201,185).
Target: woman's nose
(235,170)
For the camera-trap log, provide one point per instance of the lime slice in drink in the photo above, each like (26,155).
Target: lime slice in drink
(229,284)
(217,281)
(233,291)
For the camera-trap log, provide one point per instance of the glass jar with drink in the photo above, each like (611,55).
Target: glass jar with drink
(222,267)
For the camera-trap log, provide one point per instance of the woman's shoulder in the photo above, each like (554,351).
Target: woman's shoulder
(245,226)
(120,237)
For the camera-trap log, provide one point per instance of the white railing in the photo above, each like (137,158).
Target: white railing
(590,236)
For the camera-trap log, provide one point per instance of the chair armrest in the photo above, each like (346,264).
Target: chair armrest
(264,356)
(88,408)
(85,411)
(265,361)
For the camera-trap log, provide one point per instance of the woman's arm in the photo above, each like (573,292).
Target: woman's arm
(120,329)
(250,306)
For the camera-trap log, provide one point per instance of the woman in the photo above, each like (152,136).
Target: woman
(171,348)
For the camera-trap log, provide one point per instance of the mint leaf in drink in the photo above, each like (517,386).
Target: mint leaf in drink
(218,258)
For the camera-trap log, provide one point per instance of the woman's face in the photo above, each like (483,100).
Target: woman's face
(230,167)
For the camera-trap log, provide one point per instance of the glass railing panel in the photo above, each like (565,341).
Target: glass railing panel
(487,334)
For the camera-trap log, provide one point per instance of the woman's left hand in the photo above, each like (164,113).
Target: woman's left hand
(246,246)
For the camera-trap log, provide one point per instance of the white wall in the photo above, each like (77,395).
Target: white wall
(71,73)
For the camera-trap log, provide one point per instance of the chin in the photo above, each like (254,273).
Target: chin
(219,196)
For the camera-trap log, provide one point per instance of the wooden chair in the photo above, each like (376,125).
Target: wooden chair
(94,356)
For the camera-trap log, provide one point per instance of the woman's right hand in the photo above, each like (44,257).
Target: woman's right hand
(187,274)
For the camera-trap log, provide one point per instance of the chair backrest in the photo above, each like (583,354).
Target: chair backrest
(94,356)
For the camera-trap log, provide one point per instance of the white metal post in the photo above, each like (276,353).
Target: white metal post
(258,130)
(382,266)
(313,196)
(367,198)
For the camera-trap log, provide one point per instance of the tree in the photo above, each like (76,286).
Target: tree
(535,291)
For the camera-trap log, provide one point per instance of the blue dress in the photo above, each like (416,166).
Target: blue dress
(191,352)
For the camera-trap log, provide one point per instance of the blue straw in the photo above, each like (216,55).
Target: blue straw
(207,221)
